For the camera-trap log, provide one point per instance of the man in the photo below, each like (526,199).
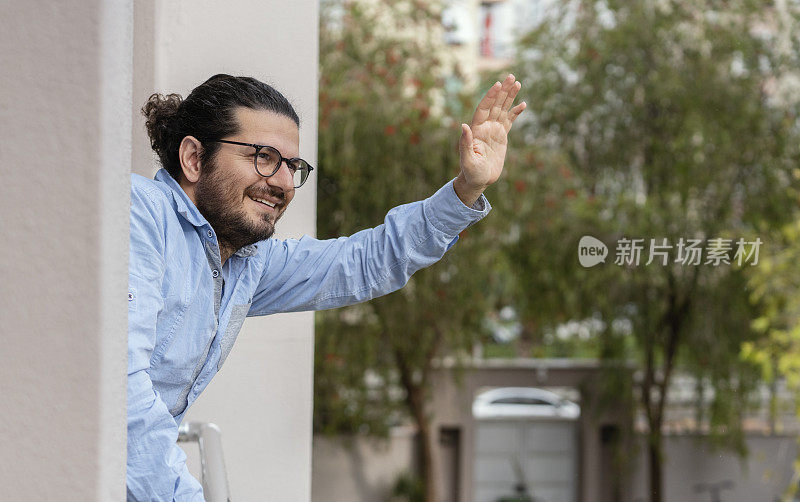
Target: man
(201,257)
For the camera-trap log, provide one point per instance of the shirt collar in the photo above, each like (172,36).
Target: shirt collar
(185,206)
(246,251)
(189,211)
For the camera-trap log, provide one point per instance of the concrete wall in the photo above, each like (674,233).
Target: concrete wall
(262,398)
(762,476)
(74,75)
(360,468)
(65,92)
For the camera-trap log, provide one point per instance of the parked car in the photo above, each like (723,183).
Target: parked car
(523,402)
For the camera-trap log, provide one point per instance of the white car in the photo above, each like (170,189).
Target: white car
(523,402)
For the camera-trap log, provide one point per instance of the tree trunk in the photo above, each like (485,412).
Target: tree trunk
(655,468)
(424,443)
(415,399)
(524,346)
(773,396)
(673,321)
(426,471)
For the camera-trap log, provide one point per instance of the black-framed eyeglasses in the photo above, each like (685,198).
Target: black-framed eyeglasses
(267,161)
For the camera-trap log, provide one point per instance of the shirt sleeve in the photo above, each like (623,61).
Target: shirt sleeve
(311,274)
(156,465)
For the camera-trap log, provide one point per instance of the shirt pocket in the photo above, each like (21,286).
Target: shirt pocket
(238,314)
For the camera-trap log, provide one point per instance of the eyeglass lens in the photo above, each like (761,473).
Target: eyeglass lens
(268,162)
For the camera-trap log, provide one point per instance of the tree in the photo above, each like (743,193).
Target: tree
(654,120)
(775,287)
(386,138)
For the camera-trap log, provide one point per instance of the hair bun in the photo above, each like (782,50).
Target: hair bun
(160,112)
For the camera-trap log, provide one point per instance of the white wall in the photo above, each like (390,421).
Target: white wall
(359,468)
(65,89)
(762,476)
(262,398)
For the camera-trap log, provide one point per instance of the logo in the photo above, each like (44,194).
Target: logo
(686,251)
(591,251)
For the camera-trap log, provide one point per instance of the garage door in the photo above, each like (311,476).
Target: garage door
(544,450)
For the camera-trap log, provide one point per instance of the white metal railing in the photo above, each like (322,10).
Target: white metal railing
(213,475)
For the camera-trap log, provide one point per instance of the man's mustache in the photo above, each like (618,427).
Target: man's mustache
(264,193)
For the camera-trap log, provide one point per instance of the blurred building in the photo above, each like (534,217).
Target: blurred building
(600,457)
(483,33)
(481,459)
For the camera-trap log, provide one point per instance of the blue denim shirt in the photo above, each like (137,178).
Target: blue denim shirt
(186,308)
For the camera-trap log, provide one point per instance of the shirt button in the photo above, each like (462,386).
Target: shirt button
(210,234)
(215,273)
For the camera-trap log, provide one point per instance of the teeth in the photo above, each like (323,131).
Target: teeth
(270,204)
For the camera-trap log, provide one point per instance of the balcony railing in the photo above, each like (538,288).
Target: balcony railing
(213,475)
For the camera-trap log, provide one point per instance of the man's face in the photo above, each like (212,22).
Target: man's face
(229,183)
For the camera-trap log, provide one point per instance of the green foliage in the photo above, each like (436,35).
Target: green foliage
(655,119)
(775,290)
(408,488)
(387,138)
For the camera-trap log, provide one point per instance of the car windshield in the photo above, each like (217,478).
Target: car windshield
(522,400)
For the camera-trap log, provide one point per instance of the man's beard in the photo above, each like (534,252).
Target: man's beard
(221,205)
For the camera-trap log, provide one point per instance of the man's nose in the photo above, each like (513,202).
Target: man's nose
(283,178)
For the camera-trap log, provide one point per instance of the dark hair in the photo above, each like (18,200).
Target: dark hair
(208,113)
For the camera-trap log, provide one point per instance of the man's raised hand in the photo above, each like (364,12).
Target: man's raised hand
(483,143)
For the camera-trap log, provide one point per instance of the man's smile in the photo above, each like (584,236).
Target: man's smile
(263,201)
(268,199)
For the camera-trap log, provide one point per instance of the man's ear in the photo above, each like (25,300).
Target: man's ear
(189,157)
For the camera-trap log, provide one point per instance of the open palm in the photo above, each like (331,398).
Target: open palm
(484,142)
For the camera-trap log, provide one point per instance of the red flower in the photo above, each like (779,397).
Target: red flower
(389,130)
(414,139)
(520,186)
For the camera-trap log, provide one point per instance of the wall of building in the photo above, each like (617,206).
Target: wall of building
(262,398)
(65,90)
(75,75)
(763,475)
(358,468)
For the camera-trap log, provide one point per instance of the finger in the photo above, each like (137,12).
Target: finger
(466,138)
(512,95)
(514,113)
(497,106)
(482,111)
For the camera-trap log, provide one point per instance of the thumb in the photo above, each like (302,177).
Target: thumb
(466,138)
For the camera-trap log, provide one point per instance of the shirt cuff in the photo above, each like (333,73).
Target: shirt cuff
(449,214)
